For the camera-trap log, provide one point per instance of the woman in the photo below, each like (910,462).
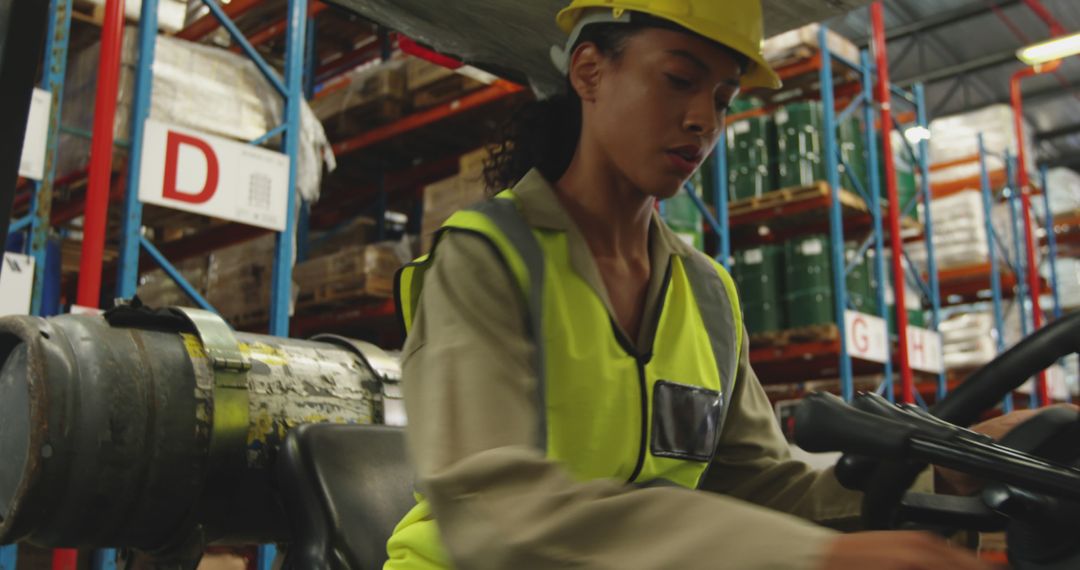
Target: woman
(575,373)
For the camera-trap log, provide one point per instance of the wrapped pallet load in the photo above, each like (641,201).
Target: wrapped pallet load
(195,86)
(954,143)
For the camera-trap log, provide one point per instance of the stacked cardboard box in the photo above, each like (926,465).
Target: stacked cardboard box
(351,273)
(362,98)
(357,232)
(238,280)
(445,197)
(430,84)
(803,42)
(157,289)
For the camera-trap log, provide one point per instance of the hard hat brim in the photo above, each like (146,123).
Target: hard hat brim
(759,75)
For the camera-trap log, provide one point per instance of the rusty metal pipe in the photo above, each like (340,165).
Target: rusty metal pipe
(107,430)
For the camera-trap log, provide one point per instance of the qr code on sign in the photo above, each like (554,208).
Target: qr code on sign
(259,191)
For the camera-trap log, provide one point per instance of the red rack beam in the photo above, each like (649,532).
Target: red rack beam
(884,96)
(1034,282)
(101,155)
(202,27)
(278,28)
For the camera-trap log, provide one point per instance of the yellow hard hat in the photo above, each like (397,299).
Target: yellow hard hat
(736,24)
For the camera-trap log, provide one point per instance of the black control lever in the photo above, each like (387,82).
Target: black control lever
(853,471)
(926,416)
(823,422)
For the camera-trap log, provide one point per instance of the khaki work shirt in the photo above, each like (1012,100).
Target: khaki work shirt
(469,393)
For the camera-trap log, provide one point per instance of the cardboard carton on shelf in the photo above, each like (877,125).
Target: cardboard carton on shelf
(803,42)
(352,274)
(361,99)
(442,199)
(430,84)
(472,165)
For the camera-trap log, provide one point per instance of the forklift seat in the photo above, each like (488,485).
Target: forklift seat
(344,489)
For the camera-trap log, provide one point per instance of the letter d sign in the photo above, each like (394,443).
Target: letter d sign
(241,183)
(172,157)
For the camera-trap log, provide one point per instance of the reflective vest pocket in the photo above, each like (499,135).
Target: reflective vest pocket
(685,421)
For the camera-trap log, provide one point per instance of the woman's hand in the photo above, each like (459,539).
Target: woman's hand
(896,550)
(956,483)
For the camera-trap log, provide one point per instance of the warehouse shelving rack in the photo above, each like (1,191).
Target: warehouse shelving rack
(859,95)
(37,221)
(73,204)
(1013,255)
(290,88)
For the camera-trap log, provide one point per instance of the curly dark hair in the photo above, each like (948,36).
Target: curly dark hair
(544,134)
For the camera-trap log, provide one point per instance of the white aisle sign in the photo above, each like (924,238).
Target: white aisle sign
(867,338)
(203,174)
(32,163)
(16,284)
(924,350)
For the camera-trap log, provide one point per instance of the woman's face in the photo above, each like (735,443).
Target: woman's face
(657,111)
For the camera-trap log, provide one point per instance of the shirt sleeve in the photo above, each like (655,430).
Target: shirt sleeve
(753,460)
(499,502)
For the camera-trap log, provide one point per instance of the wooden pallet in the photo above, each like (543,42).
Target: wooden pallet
(338,294)
(812,333)
(787,196)
(770,338)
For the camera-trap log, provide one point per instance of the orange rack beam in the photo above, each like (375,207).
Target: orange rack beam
(498,91)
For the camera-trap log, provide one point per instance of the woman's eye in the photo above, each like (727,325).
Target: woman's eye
(678,82)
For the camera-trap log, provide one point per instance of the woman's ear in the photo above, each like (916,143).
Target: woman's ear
(585,66)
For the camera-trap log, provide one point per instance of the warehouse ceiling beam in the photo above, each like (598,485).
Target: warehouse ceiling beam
(938,21)
(1057,133)
(205,25)
(933,42)
(965,67)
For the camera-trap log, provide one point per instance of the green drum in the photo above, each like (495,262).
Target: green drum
(799,144)
(751,150)
(758,274)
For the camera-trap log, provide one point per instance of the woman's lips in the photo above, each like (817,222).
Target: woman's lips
(685,165)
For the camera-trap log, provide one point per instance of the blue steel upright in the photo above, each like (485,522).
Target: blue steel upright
(928,224)
(55,67)
(720,199)
(880,272)
(836,222)
(281,280)
(1051,242)
(131,226)
(1019,257)
(1020,260)
(8,557)
(992,246)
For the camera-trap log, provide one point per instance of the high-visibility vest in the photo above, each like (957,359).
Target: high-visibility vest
(606,410)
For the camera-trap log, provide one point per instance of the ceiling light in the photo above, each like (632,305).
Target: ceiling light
(1050,50)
